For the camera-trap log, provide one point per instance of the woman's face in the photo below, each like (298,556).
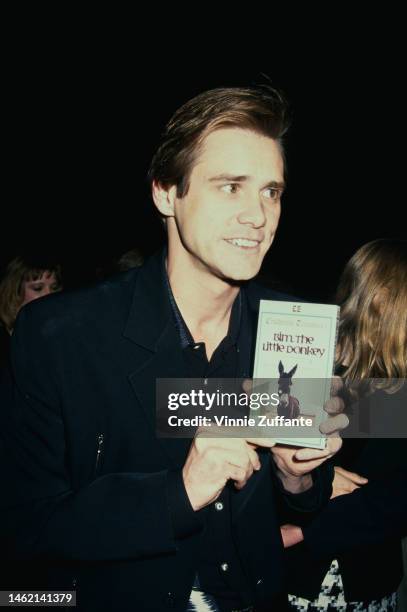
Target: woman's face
(44,285)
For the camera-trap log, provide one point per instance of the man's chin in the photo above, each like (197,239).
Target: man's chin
(241,275)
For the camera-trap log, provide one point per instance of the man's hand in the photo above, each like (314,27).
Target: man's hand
(346,482)
(291,535)
(336,421)
(211,462)
(334,407)
(295,464)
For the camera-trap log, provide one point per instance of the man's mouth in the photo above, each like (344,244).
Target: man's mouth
(243,243)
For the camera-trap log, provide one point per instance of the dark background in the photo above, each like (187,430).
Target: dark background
(82,130)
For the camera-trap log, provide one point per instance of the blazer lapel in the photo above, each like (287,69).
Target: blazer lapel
(151,325)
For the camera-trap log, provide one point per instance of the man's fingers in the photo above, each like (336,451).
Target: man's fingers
(332,447)
(264,442)
(333,444)
(237,466)
(306,454)
(336,385)
(254,384)
(236,473)
(239,475)
(247,385)
(334,424)
(335,405)
(291,535)
(254,458)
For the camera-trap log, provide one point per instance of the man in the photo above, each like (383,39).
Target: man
(130,521)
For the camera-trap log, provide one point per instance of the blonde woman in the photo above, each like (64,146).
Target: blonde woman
(372,347)
(372,294)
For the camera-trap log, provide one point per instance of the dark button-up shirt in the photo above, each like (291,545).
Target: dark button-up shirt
(220,571)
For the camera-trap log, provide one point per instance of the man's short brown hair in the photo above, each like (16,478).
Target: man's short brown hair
(261,109)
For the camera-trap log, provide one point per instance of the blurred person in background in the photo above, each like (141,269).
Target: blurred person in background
(372,349)
(130,259)
(127,261)
(26,279)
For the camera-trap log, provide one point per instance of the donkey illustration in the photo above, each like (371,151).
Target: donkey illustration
(289,406)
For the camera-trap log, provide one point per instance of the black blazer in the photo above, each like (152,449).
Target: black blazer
(363,529)
(88,486)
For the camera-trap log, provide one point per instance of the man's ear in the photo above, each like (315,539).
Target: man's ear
(164,198)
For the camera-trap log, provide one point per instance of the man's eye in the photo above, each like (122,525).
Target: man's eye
(272,193)
(230,188)
(37,288)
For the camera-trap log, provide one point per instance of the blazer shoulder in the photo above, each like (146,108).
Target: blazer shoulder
(103,303)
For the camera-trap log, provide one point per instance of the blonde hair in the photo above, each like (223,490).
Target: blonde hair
(372,293)
(19,270)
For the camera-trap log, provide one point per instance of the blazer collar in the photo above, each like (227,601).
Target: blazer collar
(150,310)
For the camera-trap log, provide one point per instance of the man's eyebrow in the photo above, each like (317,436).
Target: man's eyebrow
(241,179)
(229,177)
(275,185)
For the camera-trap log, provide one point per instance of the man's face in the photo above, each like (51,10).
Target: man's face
(228,219)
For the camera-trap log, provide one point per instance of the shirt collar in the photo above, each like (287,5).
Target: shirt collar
(185,335)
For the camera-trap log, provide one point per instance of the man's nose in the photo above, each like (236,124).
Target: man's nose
(253,212)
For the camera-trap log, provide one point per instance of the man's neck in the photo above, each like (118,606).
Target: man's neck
(204,301)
